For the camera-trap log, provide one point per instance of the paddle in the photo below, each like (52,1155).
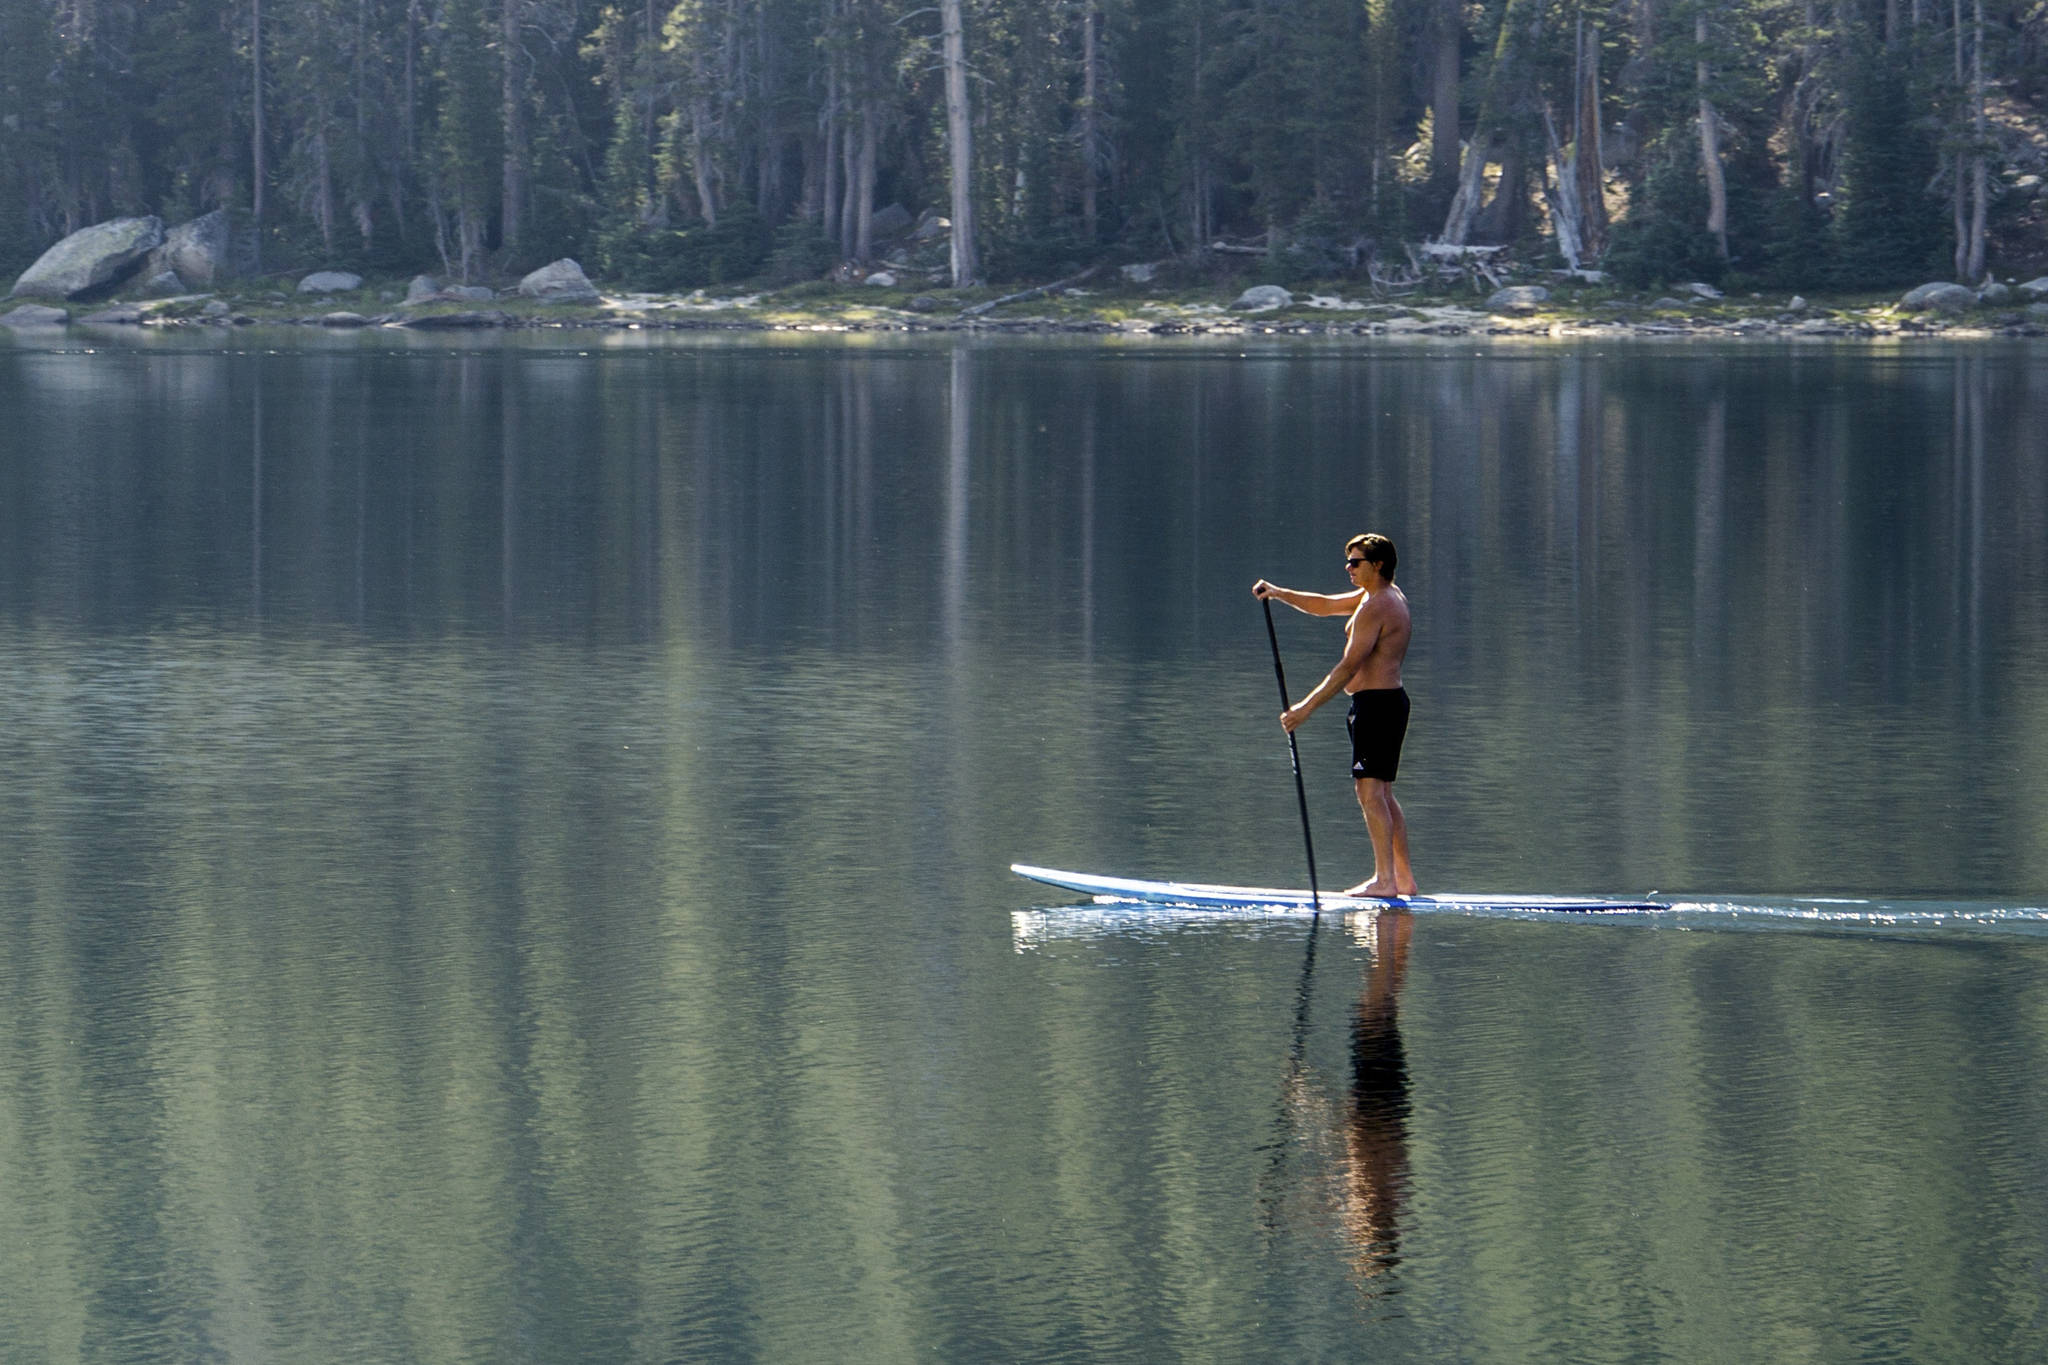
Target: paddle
(1294,756)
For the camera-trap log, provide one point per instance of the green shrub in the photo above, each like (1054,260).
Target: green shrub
(801,252)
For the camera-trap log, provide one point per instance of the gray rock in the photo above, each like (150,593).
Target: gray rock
(890,223)
(1260,297)
(923,303)
(1798,305)
(165,284)
(882,278)
(1518,298)
(2036,289)
(449,321)
(1994,293)
(216,308)
(2027,186)
(34,315)
(1669,302)
(344,320)
(121,315)
(470,293)
(1142,273)
(930,227)
(330,282)
(2036,312)
(1702,291)
(91,258)
(422,289)
(560,281)
(1940,296)
(203,253)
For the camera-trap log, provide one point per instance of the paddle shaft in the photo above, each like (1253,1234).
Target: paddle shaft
(1294,756)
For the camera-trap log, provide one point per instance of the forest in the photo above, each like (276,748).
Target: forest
(670,144)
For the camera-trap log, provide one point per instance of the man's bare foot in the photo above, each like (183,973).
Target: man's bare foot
(1383,890)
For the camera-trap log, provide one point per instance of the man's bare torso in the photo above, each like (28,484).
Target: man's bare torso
(1384,616)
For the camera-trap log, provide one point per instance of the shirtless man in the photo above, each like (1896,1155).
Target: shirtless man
(1375,642)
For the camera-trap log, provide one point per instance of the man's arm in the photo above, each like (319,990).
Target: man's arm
(1365,633)
(1312,603)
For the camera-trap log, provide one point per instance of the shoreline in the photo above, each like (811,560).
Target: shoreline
(853,310)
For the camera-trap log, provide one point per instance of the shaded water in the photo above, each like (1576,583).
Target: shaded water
(506,852)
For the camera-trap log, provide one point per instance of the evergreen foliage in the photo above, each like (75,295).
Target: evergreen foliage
(679,143)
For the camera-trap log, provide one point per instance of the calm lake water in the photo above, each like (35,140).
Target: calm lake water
(505,853)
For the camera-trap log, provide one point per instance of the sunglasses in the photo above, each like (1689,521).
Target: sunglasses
(1353,563)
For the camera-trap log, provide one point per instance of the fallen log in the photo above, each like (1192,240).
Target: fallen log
(976,310)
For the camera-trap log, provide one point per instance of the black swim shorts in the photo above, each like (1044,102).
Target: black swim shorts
(1378,722)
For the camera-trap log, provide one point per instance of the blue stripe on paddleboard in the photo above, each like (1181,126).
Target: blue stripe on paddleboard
(1202,895)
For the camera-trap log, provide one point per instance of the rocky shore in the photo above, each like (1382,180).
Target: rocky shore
(1179,317)
(131,273)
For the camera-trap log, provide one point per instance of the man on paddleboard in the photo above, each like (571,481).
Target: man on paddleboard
(1375,642)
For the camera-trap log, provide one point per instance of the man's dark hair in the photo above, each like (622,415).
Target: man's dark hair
(1374,549)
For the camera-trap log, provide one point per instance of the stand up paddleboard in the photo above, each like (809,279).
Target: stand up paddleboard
(1196,895)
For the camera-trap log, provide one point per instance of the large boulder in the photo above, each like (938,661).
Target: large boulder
(91,259)
(1940,296)
(1260,297)
(890,223)
(422,289)
(2036,289)
(470,293)
(561,281)
(203,253)
(34,315)
(331,282)
(1518,298)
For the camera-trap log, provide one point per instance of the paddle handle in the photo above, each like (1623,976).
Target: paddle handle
(1294,756)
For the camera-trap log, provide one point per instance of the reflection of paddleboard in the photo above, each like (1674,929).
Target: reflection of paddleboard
(1193,894)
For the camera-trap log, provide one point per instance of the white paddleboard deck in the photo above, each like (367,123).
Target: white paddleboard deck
(1201,896)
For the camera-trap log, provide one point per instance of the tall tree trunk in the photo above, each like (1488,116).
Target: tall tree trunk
(849,162)
(1802,108)
(1567,216)
(1958,190)
(700,139)
(864,201)
(828,210)
(412,42)
(1710,145)
(1501,219)
(959,139)
(1466,203)
(1588,152)
(512,86)
(1979,176)
(1447,21)
(323,179)
(1090,95)
(261,172)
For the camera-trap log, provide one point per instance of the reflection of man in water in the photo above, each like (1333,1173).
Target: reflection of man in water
(1376,1136)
